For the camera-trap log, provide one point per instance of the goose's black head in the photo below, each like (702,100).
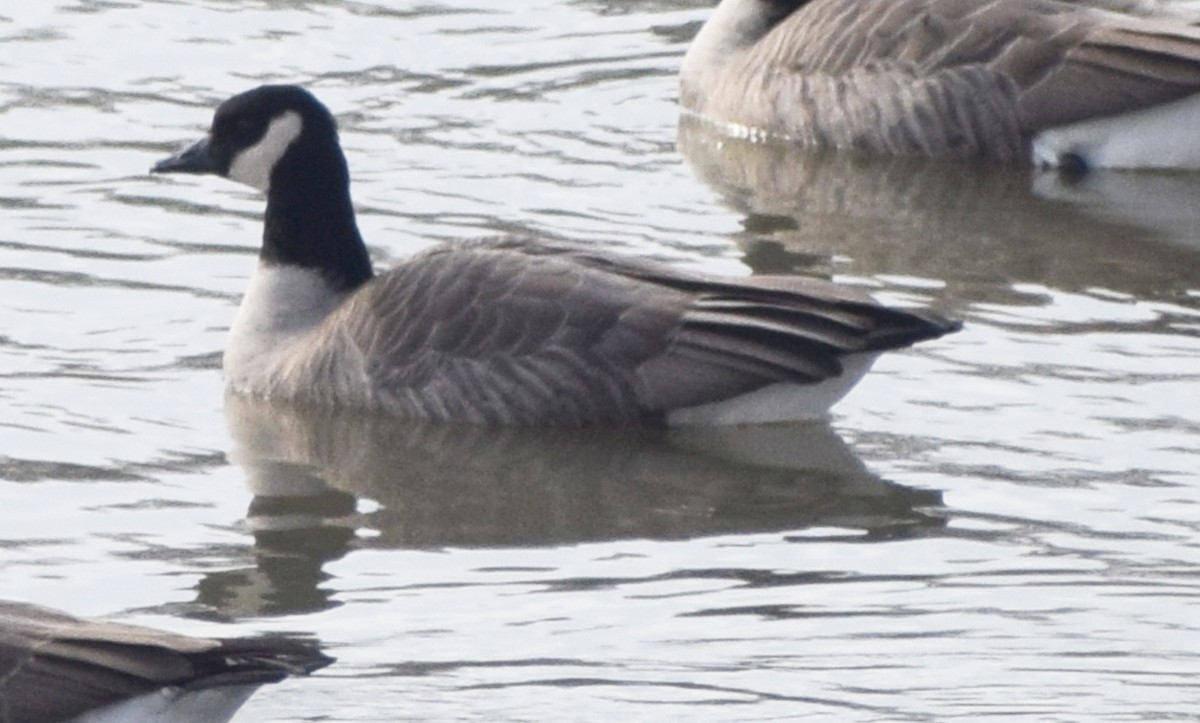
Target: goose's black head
(263,133)
(281,140)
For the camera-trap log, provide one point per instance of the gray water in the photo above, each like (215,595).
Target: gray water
(1003,523)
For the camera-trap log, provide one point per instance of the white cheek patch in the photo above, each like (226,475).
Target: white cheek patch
(252,166)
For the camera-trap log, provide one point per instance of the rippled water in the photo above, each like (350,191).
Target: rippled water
(1004,522)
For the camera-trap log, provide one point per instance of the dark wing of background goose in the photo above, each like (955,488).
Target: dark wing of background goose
(55,667)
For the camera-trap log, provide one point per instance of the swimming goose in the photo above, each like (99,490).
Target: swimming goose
(1044,82)
(512,330)
(55,667)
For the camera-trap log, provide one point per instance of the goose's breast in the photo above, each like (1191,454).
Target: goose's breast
(275,325)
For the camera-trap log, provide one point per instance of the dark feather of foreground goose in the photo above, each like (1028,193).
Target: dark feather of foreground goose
(55,667)
(1067,83)
(511,330)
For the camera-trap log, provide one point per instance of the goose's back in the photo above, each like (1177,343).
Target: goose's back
(484,333)
(518,332)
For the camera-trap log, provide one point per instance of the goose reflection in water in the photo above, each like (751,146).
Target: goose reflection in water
(979,228)
(320,480)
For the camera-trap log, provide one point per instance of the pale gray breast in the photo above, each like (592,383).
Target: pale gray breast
(937,77)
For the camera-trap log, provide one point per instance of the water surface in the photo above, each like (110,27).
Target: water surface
(1001,523)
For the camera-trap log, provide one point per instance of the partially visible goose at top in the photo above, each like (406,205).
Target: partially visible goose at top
(512,330)
(1045,82)
(1188,10)
(55,667)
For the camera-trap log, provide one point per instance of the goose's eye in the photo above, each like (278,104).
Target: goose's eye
(245,127)
(239,129)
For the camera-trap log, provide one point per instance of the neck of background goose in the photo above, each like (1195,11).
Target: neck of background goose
(734,27)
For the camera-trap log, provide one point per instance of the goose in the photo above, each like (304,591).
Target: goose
(511,331)
(57,667)
(1068,84)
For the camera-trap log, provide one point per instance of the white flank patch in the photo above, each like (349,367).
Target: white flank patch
(1162,137)
(783,402)
(253,165)
(282,304)
(211,705)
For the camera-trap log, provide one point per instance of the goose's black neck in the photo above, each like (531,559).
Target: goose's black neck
(309,220)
